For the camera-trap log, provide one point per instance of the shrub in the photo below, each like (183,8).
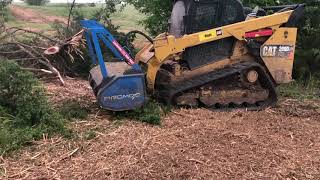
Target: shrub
(25,113)
(91,4)
(36,2)
(151,113)
(73,110)
(88,135)
(4,10)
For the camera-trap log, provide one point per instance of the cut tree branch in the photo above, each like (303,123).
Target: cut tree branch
(38,70)
(44,62)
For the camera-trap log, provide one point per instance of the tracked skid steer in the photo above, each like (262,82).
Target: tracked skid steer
(216,54)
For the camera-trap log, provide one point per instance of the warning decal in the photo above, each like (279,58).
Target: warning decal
(208,35)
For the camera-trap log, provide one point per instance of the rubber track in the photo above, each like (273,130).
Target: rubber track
(174,89)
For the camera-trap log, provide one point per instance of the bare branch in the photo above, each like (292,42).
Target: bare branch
(16,29)
(70,12)
(45,62)
(38,70)
(25,59)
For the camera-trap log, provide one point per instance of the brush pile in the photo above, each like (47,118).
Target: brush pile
(30,50)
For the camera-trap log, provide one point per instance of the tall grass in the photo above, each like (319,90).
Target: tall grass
(301,89)
(151,113)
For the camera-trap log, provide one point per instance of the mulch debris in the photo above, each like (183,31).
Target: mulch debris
(277,143)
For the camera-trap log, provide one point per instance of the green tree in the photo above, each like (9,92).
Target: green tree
(36,2)
(308,49)
(252,3)
(157,12)
(4,10)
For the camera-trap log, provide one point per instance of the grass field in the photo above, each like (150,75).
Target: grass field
(61,9)
(23,24)
(127,18)
(14,22)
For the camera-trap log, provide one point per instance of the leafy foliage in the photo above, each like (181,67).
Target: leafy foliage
(25,114)
(158,13)
(4,10)
(260,3)
(104,16)
(73,110)
(151,113)
(308,50)
(36,2)
(90,134)
(74,27)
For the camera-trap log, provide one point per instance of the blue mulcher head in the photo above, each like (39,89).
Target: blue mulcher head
(118,86)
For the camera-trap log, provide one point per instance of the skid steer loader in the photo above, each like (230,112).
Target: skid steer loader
(216,54)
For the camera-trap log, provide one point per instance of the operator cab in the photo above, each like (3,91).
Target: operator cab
(192,16)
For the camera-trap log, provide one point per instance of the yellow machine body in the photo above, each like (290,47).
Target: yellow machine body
(167,47)
(236,63)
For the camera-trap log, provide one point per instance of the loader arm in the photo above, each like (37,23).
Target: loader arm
(167,46)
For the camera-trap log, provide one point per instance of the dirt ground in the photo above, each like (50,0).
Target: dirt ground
(31,16)
(277,143)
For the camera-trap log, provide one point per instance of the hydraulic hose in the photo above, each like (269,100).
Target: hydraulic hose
(129,35)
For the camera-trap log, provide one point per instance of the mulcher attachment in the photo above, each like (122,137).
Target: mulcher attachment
(118,86)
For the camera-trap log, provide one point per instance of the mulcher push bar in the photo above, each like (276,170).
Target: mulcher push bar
(94,32)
